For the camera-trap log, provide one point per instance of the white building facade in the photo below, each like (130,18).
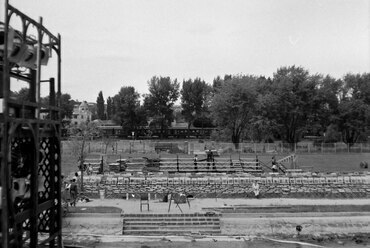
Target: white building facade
(81,113)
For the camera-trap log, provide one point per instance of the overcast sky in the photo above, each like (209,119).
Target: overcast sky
(108,44)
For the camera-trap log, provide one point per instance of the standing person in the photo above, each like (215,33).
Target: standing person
(256,189)
(67,191)
(257,163)
(209,158)
(74,191)
(274,164)
(196,163)
(89,169)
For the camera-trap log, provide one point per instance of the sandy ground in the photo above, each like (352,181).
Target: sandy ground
(196,205)
(237,230)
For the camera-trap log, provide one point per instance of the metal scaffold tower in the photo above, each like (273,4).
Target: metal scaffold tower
(30,148)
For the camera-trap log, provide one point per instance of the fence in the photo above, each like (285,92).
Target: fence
(190,147)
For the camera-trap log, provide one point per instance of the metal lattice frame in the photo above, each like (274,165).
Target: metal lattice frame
(30,148)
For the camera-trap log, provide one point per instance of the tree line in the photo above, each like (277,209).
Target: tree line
(288,106)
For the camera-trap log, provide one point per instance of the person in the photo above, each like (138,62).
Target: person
(256,189)
(66,193)
(274,165)
(257,163)
(73,191)
(209,158)
(89,169)
(196,163)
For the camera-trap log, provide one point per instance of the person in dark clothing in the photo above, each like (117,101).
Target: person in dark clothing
(257,163)
(274,165)
(73,191)
(209,158)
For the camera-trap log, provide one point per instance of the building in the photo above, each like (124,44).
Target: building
(81,113)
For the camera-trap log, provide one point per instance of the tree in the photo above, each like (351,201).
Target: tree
(218,81)
(79,135)
(22,95)
(353,118)
(325,107)
(193,99)
(163,93)
(358,86)
(109,108)
(67,104)
(100,106)
(233,106)
(127,104)
(262,126)
(292,91)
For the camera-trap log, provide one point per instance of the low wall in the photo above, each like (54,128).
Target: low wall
(231,186)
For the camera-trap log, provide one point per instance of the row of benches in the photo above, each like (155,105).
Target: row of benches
(226,180)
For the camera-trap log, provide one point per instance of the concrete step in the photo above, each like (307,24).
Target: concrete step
(170,232)
(164,224)
(171,220)
(193,215)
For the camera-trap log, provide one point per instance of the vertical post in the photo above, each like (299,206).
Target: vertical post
(102,165)
(38,69)
(58,102)
(295,147)
(52,98)
(34,166)
(59,94)
(53,215)
(4,175)
(177,163)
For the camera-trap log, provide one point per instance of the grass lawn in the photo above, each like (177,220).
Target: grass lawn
(341,162)
(316,162)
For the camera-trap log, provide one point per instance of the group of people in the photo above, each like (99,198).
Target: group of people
(70,190)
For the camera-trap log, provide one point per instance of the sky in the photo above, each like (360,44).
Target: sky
(108,44)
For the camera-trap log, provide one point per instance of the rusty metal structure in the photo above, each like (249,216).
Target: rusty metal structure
(30,148)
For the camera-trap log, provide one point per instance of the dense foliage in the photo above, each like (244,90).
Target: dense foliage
(289,106)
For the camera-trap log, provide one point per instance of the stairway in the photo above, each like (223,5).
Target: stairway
(171,224)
